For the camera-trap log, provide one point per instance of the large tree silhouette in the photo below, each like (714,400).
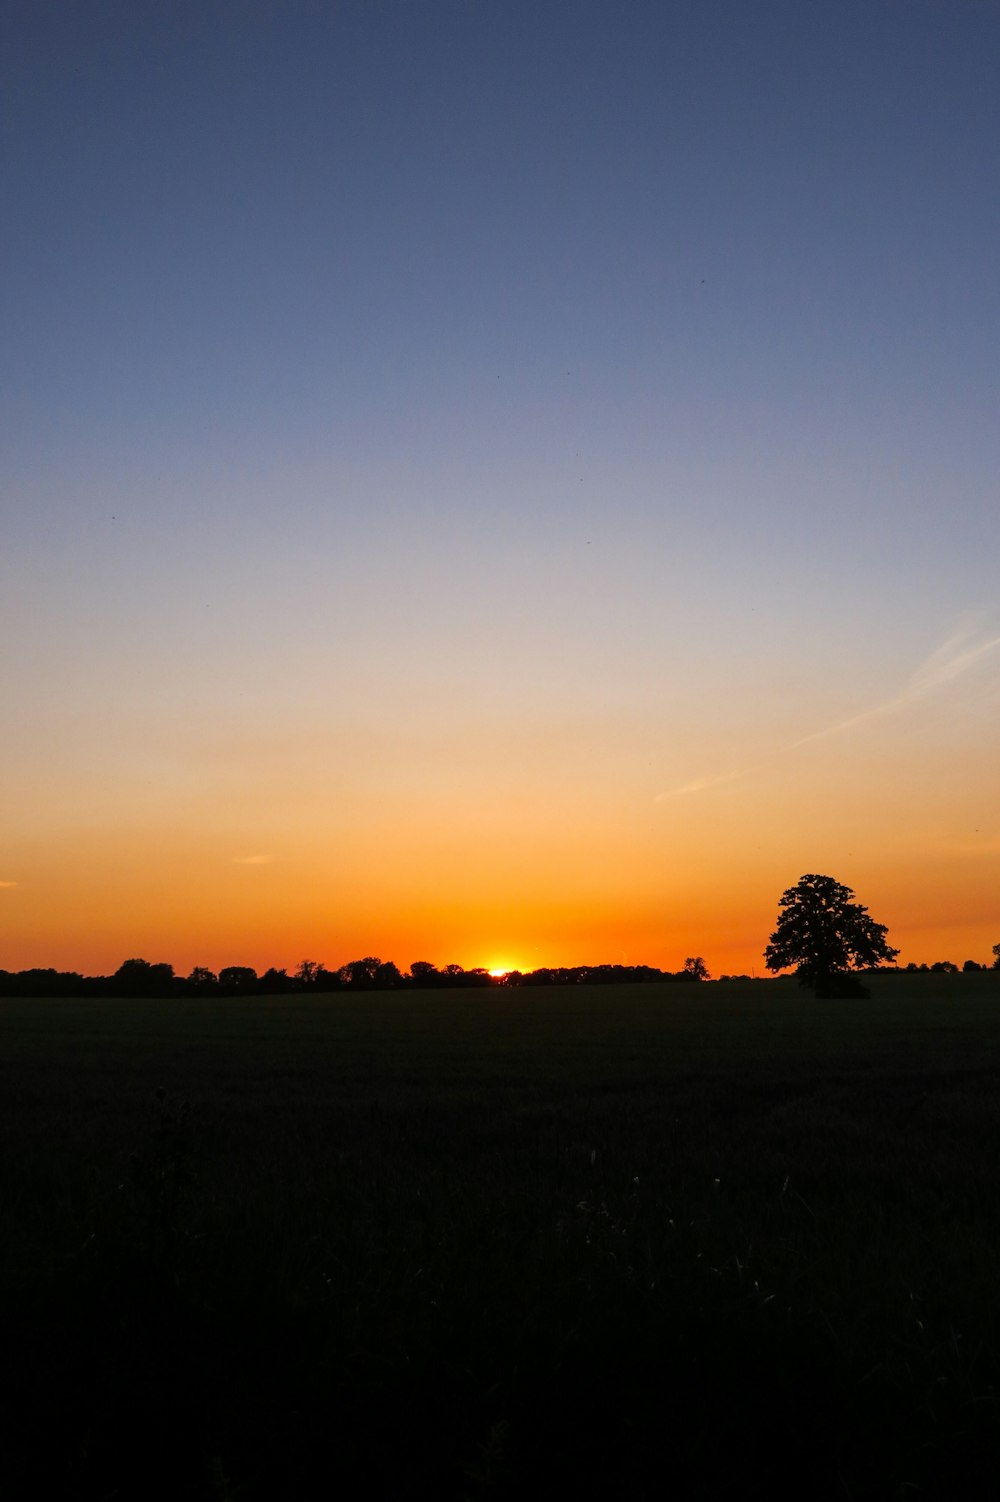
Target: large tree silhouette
(825,935)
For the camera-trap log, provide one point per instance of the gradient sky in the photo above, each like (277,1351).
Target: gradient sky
(501,481)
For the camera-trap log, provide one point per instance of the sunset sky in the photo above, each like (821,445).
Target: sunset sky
(511,482)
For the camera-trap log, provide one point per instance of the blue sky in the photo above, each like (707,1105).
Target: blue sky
(382,379)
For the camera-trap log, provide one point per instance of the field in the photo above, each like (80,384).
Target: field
(698,1241)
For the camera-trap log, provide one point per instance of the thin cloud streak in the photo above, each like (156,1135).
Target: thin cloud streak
(946,663)
(9,883)
(956,656)
(252,860)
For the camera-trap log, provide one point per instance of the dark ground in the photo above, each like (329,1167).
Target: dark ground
(697,1241)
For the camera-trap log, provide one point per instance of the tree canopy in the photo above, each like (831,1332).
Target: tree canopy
(825,934)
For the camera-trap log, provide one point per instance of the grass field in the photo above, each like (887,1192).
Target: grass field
(697,1241)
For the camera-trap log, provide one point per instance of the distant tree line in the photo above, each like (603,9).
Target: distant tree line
(138,977)
(945,967)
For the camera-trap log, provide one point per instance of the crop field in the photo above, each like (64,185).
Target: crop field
(682,1240)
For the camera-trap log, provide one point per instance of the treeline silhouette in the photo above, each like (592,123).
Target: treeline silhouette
(371,974)
(138,977)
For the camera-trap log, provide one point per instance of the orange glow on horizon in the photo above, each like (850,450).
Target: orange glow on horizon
(579,876)
(281,926)
(490,602)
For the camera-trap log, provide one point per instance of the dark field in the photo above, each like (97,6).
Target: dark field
(689,1241)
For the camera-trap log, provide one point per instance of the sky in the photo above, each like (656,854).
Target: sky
(504,482)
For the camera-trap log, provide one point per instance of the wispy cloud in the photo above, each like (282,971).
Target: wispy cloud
(953,658)
(961,651)
(699,785)
(9,883)
(968,645)
(252,860)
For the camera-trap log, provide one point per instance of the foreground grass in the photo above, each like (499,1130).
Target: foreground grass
(704,1240)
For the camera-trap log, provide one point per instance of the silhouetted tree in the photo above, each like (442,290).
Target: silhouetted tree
(695,968)
(971,966)
(238,978)
(996,957)
(143,979)
(387,976)
(361,973)
(202,980)
(825,935)
(423,973)
(275,980)
(307,972)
